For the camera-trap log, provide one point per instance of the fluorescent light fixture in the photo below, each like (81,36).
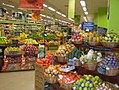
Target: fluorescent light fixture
(60,20)
(7,12)
(58,13)
(86,13)
(8,5)
(30,14)
(84,9)
(20,12)
(45,5)
(83,3)
(85,19)
(63,15)
(52,9)
(48,17)
(42,15)
(71,19)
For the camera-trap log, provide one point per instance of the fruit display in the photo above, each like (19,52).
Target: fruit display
(110,62)
(52,71)
(50,56)
(3,40)
(50,36)
(105,86)
(44,62)
(23,36)
(87,82)
(91,56)
(30,41)
(78,37)
(12,50)
(68,78)
(63,50)
(75,53)
(111,38)
(42,41)
(93,37)
(58,34)
(52,42)
(36,36)
(29,47)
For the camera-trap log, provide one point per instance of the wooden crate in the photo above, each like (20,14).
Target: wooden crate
(39,77)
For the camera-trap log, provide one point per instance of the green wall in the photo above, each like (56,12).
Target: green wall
(102,17)
(114,16)
(95,18)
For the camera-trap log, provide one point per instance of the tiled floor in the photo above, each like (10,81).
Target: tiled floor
(17,80)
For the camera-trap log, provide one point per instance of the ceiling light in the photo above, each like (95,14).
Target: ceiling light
(85,19)
(20,12)
(71,19)
(63,15)
(30,14)
(83,3)
(52,9)
(58,13)
(8,5)
(86,13)
(45,5)
(42,15)
(84,9)
(48,17)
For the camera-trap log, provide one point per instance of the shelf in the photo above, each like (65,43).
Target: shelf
(18,22)
(112,79)
(6,45)
(13,55)
(98,48)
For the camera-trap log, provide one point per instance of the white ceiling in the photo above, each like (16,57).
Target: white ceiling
(62,6)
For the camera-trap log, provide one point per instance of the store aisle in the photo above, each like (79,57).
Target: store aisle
(17,80)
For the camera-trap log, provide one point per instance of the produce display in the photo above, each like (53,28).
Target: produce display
(110,62)
(111,38)
(93,37)
(68,78)
(23,36)
(78,37)
(87,82)
(12,50)
(52,71)
(63,50)
(3,40)
(29,47)
(30,41)
(44,62)
(75,53)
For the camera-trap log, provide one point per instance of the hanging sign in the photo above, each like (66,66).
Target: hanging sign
(31,4)
(36,15)
(88,26)
(71,9)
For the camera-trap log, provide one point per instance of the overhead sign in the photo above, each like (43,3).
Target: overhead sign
(31,4)
(36,15)
(71,8)
(88,26)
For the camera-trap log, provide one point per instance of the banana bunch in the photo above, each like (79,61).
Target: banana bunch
(23,35)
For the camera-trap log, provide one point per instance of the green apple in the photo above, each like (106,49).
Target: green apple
(91,85)
(82,85)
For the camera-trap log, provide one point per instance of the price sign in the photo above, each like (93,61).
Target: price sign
(102,30)
(88,26)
